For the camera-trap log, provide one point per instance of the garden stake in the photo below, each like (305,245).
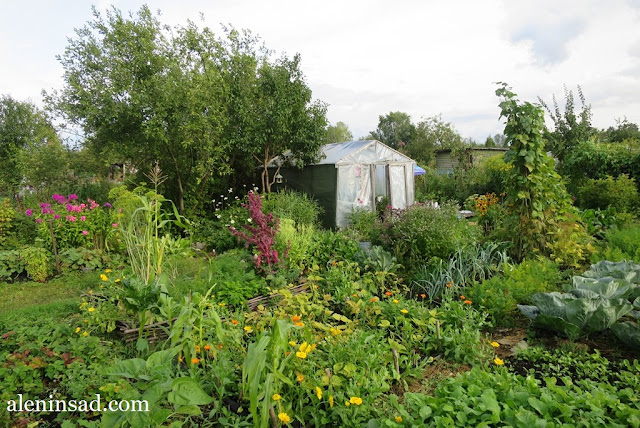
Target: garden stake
(55,246)
(438,335)
(395,360)
(274,418)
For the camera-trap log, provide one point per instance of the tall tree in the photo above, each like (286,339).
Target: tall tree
(24,129)
(395,128)
(432,134)
(338,133)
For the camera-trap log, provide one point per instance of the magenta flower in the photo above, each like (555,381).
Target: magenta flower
(83,218)
(29,212)
(59,199)
(107,205)
(69,207)
(71,218)
(57,216)
(114,224)
(85,232)
(73,197)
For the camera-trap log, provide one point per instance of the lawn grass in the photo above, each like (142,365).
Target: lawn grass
(55,298)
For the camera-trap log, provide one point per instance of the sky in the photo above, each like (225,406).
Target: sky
(368,58)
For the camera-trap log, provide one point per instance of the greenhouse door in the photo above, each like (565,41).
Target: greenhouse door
(397,186)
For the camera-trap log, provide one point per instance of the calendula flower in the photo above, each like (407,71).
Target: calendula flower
(117,280)
(85,334)
(495,344)
(292,343)
(305,347)
(424,296)
(331,401)
(78,329)
(355,400)
(388,293)
(207,347)
(197,348)
(284,418)
(396,301)
(299,324)
(467,302)
(108,271)
(104,277)
(319,393)
(449,284)
(276,397)
(195,360)
(299,377)
(301,355)
(373,299)
(498,361)
(398,419)
(91,309)
(296,318)
(462,298)
(346,403)
(248,329)
(234,322)
(222,304)
(404,311)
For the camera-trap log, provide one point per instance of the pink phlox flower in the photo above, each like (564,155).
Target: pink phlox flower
(57,216)
(85,232)
(29,212)
(71,218)
(38,220)
(73,197)
(83,218)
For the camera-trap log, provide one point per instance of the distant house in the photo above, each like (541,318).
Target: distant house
(446,162)
(351,176)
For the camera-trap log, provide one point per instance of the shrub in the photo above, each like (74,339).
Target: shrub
(621,244)
(499,295)
(619,193)
(36,260)
(421,232)
(292,205)
(295,241)
(363,222)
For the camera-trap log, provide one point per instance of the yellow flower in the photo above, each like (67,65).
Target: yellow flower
(301,355)
(276,397)
(108,271)
(293,343)
(346,403)
(222,304)
(355,400)
(398,419)
(91,309)
(78,329)
(305,347)
(404,311)
(197,348)
(331,401)
(300,377)
(498,361)
(495,344)
(319,393)
(85,334)
(396,301)
(284,418)
(299,324)
(117,280)
(248,329)
(104,277)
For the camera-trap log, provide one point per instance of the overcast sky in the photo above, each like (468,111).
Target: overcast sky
(367,58)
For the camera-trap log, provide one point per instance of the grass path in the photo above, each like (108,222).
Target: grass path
(56,297)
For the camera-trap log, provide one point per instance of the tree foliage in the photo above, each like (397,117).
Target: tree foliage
(395,128)
(432,134)
(338,133)
(205,107)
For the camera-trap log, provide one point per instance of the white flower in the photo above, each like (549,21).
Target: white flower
(230,190)
(249,220)
(255,189)
(232,222)
(236,198)
(225,198)
(219,216)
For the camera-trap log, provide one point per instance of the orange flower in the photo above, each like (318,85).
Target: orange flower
(388,293)
(220,346)
(467,302)
(207,347)
(299,324)
(424,296)
(449,284)
(195,361)
(296,318)
(373,299)
(462,298)
(234,322)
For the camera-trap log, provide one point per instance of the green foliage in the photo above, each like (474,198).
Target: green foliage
(421,232)
(11,265)
(546,220)
(295,206)
(37,263)
(432,133)
(233,278)
(499,295)
(362,222)
(482,398)
(86,259)
(338,133)
(621,244)
(7,215)
(619,193)
(332,246)
(295,241)
(394,128)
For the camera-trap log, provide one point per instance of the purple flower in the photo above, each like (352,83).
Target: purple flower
(107,205)
(69,207)
(73,197)
(29,212)
(57,216)
(59,199)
